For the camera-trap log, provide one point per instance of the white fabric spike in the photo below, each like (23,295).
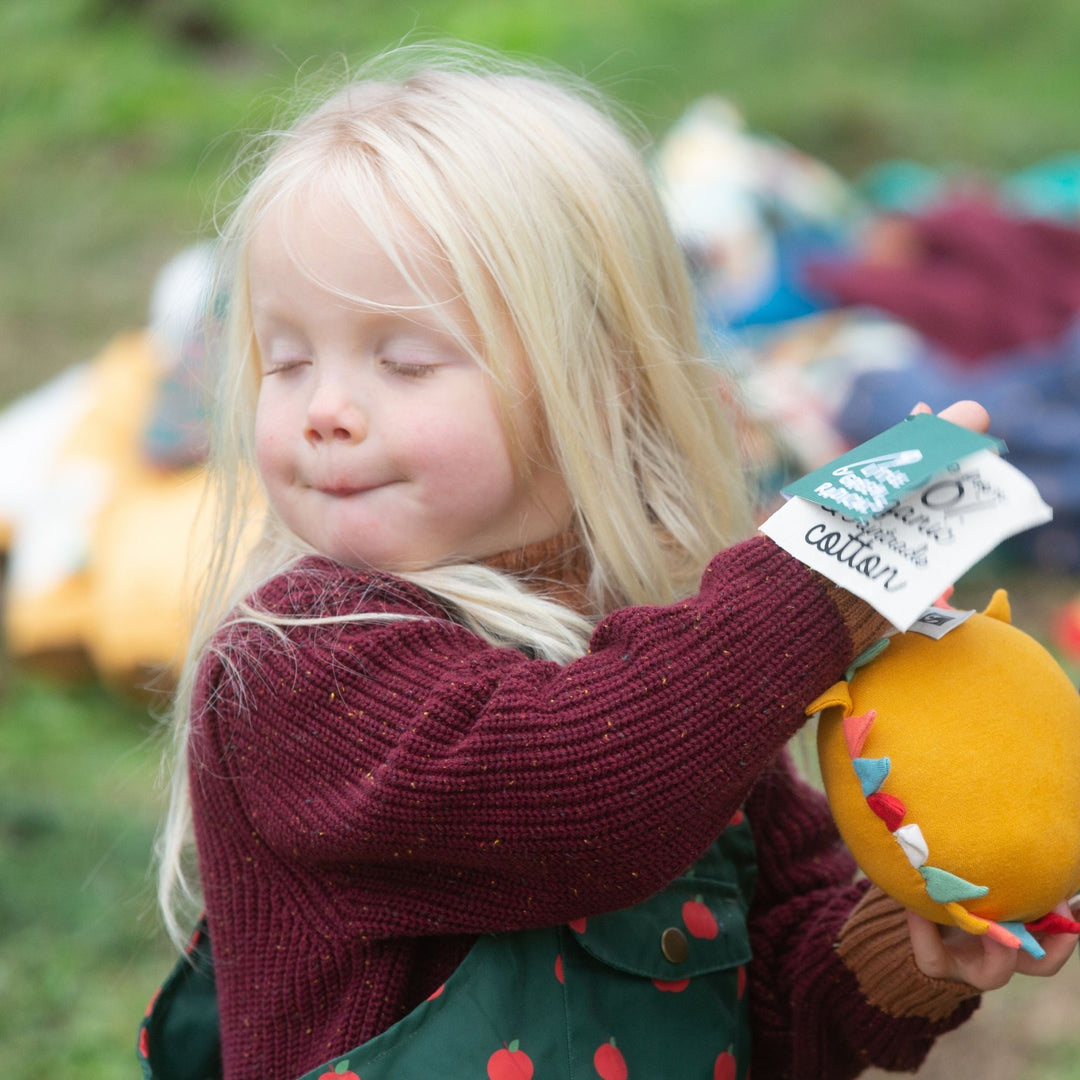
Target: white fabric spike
(911,839)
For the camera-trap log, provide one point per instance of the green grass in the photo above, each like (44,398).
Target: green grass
(81,951)
(117,117)
(1060,1062)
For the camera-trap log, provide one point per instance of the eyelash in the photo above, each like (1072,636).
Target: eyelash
(284,366)
(395,367)
(410,371)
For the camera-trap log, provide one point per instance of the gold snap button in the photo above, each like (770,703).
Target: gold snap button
(674,946)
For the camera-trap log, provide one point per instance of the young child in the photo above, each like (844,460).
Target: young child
(482,670)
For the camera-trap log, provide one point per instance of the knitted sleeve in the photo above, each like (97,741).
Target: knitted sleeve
(822,953)
(534,792)
(875,944)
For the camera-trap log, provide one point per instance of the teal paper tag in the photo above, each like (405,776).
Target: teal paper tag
(868,480)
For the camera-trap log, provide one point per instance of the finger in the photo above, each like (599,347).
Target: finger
(927,947)
(1058,949)
(968,414)
(993,965)
(922,407)
(977,960)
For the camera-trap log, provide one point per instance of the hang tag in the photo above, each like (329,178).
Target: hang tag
(876,475)
(902,559)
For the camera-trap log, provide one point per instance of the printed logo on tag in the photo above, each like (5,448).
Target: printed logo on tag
(877,475)
(936,622)
(869,486)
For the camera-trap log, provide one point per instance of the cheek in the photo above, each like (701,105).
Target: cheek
(468,451)
(453,440)
(269,444)
(264,440)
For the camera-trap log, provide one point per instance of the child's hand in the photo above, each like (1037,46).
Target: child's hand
(945,952)
(968,414)
(949,953)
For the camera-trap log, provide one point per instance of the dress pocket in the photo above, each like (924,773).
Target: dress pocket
(659,989)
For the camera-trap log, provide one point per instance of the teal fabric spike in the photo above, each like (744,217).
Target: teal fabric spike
(866,656)
(947,888)
(1027,942)
(871,772)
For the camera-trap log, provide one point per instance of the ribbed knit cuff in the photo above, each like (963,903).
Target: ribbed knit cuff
(875,946)
(864,624)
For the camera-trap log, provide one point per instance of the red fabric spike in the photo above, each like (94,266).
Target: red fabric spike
(943,600)
(855,731)
(887,807)
(1053,924)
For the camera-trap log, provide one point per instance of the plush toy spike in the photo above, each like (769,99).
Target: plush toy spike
(943,600)
(1054,924)
(965,920)
(1000,932)
(872,773)
(1026,942)
(953,770)
(999,607)
(947,888)
(856,728)
(913,844)
(887,807)
(866,656)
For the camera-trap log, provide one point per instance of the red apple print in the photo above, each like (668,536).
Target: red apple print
(509,1063)
(737,818)
(609,1062)
(724,1068)
(699,919)
(144,1043)
(559,973)
(674,986)
(341,1071)
(740,983)
(578,925)
(436,992)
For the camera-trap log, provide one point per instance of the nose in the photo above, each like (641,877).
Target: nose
(332,416)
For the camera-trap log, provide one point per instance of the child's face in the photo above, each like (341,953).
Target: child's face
(377,435)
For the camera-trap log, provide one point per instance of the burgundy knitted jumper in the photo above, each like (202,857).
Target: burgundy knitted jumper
(368,797)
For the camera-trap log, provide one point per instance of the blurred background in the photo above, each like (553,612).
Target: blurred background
(880,203)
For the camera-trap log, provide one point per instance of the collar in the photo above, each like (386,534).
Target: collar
(557,568)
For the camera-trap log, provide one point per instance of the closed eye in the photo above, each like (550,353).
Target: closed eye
(280,367)
(410,371)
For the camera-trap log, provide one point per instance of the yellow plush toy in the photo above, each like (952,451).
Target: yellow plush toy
(952,768)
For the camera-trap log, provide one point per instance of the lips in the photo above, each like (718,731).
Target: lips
(342,491)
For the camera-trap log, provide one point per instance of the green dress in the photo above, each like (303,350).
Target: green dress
(656,990)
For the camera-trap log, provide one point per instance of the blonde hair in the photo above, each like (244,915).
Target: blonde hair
(544,213)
